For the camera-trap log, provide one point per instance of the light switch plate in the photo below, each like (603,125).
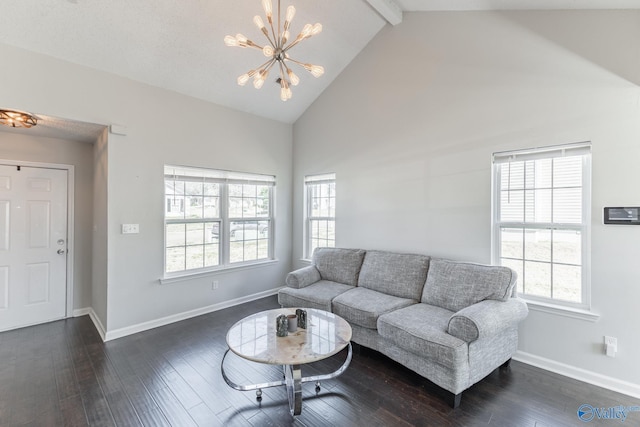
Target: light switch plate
(130,228)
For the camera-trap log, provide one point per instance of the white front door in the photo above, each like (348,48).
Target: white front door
(33,245)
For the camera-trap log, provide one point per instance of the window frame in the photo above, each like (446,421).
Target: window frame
(584,227)
(224,179)
(310,180)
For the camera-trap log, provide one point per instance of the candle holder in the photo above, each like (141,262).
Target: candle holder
(302,318)
(281,326)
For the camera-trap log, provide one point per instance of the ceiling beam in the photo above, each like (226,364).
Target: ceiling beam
(389,9)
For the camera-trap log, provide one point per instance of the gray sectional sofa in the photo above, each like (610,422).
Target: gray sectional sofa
(451,322)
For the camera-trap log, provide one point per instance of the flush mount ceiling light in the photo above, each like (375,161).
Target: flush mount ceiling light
(277,50)
(17,119)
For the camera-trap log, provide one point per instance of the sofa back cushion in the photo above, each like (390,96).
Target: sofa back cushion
(400,275)
(456,285)
(339,265)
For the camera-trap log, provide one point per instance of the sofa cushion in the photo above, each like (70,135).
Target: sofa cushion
(400,275)
(421,329)
(318,295)
(339,265)
(456,285)
(362,306)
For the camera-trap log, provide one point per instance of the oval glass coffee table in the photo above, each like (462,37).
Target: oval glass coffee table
(254,338)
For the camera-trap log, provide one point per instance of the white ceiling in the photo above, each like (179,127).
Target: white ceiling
(178,44)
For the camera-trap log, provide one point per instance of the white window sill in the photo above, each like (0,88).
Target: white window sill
(559,310)
(305,261)
(227,269)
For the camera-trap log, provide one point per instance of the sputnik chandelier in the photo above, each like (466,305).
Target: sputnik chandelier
(277,50)
(17,119)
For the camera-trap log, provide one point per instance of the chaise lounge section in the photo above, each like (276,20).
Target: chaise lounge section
(451,322)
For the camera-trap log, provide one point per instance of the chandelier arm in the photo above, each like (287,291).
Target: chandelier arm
(279,37)
(266,34)
(293,43)
(282,73)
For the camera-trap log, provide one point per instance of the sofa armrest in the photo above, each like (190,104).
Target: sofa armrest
(487,318)
(303,277)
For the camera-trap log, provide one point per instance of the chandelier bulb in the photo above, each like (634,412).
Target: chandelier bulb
(258,21)
(315,70)
(243,79)
(268,9)
(230,41)
(317,29)
(241,40)
(293,78)
(285,37)
(306,31)
(291,12)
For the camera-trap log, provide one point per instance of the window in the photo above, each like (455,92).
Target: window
(216,219)
(541,221)
(320,230)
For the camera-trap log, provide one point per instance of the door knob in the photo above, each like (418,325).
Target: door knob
(61,251)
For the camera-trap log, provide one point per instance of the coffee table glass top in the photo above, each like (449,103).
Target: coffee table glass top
(254,338)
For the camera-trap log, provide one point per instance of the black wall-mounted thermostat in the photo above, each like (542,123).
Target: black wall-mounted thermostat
(624,216)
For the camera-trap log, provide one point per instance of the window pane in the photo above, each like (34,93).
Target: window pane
(211,207)
(538,205)
(567,171)
(512,176)
(512,206)
(236,251)
(193,188)
(543,173)
(250,250)
(567,282)
(194,207)
(211,255)
(235,190)
(175,235)
(195,256)
(537,279)
(537,246)
(263,248)
(195,234)
(175,259)
(512,243)
(235,207)
(212,232)
(567,205)
(211,189)
(175,207)
(567,247)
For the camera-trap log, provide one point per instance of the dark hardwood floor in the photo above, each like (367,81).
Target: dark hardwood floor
(61,374)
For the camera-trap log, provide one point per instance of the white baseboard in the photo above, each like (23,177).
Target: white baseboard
(82,311)
(140,327)
(579,374)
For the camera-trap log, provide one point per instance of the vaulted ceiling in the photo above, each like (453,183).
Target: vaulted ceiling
(178,45)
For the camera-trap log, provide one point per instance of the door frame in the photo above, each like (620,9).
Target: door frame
(70,218)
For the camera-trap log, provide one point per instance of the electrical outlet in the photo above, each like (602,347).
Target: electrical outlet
(610,346)
(214,285)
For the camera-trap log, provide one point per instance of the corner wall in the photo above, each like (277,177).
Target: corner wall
(410,126)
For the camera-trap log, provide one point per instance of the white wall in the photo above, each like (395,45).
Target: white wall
(99,300)
(30,148)
(162,127)
(409,129)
